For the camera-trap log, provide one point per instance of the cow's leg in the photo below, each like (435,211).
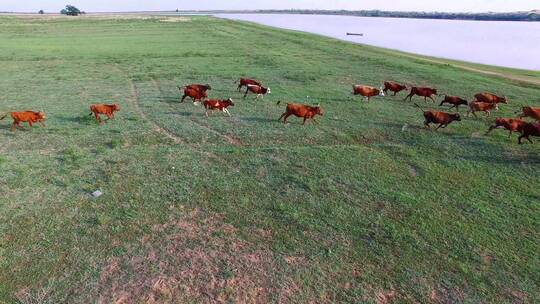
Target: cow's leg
(30,123)
(488,113)
(183,97)
(14,126)
(491,129)
(286,116)
(433,100)
(395,93)
(239,87)
(474,113)
(408,96)
(520,139)
(439,127)
(426,124)
(510,134)
(97,117)
(42,124)
(305,118)
(527,137)
(228,113)
(313,118)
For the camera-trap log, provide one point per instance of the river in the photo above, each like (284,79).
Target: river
(499,43)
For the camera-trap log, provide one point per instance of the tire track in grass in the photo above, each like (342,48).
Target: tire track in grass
(229,138)
(157,128)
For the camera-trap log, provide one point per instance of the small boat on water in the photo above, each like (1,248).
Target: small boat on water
(355,34)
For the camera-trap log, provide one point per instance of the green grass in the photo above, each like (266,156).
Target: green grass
(364,207)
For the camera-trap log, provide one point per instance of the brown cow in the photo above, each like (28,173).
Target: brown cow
(256,89)
(244,82)
(422,92)
(529,129)
(216,104)
(531,112)
(394,87)
(194,94)
(104,109)
(512,125)
(367,91)
(455,101)
(301,110)
(30,117)
(441,118)
(196,86)
(490,98)
(477,106)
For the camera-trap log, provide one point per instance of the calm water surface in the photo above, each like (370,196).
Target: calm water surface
(509,44)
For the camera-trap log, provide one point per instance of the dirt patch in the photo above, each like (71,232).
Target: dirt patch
(197,257)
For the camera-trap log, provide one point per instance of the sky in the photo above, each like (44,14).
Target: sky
(393,5)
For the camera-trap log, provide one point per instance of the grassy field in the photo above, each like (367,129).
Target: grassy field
(365,207)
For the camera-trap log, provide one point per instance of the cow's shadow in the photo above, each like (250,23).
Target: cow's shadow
(83,119)
(259,119)
(169,99)
(185,114)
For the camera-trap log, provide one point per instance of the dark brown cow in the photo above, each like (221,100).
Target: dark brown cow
(477,106)
(367,91)
(258,90)
(196,86)
(530,112)
(216,104)
(455,101)
(529,129)
(194,94)
(422,92)
(510,124)
(104,109)
(301,110)
(30,117)
(490,98)
(394,87)
(443,119)
(244,82)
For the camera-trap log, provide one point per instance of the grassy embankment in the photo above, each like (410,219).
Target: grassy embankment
(366,206)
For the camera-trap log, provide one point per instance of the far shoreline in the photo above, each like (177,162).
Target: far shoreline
(518,16)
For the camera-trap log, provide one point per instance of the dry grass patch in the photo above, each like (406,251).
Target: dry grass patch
(197,257)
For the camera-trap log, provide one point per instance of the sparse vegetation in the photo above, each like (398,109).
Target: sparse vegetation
(365,207)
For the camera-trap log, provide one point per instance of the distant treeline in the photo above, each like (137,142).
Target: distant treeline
(513,16)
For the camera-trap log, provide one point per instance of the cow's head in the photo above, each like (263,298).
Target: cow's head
(268,91)
(116,107)
(207,86)
(381,92)
(41,115)
(455,117)
(463,102)
(504,100)
(319,110)
(434,92)
(230,102)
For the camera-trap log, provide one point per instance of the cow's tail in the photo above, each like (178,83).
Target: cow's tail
(278,103)
(421,109)
(2,117)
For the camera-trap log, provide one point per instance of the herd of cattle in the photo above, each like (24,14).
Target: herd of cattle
(483,102)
